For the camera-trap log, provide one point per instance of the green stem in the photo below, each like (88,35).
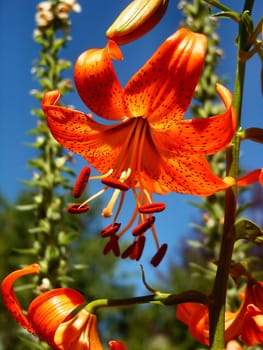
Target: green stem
(218,5)
(218,296)
(156,298)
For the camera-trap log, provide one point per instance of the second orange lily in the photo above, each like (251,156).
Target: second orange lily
(52,316)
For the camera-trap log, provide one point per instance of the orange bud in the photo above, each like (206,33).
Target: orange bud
(139,17)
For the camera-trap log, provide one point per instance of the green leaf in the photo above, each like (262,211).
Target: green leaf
(26,251)
(228,14)
(247,229)
(52,253)
(26,207)
(66,238)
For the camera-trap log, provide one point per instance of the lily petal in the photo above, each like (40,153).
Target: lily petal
(252,333)
(163,88)
(251,177)
(97,83)
(10,300)
(195,316)
(47,311)
(78,333)
(188,175)
(99,144)
(203,135)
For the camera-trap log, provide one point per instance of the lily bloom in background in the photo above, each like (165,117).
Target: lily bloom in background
(51,316)
(246,322)
(146,146)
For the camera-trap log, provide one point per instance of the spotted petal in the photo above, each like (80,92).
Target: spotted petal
(183,174)
(203,135)
(97,83)
(163,88)
(10,300)
(78,333)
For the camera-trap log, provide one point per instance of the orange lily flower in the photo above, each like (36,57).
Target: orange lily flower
(252,332)
(51,316)
(246,322)
(151,148)
(195,316)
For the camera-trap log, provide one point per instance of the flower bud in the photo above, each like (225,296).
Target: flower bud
(139,17)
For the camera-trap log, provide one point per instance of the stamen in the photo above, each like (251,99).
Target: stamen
(144,226)
(128,251)
(115,183)
(110,229)
(93,197)
(81,182)
(135,250)
(99,177)
(129,224)
(138,248)
(158,257)
(120,186)
(112,245)
(78,208)
(152,208)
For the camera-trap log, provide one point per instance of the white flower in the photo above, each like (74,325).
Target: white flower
(44,6)
(43,18)
(72,4)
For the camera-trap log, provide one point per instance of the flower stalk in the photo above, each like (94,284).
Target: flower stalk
(218,296)
(160,298)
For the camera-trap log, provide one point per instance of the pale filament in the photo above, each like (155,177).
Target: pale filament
(97,194)
(107,211)
(98,177)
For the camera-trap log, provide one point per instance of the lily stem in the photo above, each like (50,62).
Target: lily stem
(218,295)
(156,298)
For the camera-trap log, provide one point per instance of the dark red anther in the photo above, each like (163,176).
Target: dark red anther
(81,182)
(110,229)
(144,226)
(138,248)
(158,257)
(113,245)
(115,183)
(78,208)
(152,208)
(128,251)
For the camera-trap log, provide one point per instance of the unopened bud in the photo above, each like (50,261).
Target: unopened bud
(139,17)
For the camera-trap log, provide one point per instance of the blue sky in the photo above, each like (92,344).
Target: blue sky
(18,51)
